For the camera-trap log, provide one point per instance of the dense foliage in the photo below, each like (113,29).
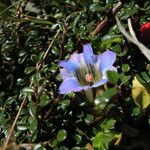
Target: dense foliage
(34,36)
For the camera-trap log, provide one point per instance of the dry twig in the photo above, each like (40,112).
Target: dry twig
(132,37)
(103,23)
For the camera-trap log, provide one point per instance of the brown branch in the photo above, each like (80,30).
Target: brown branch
(55,101)
(15,121)
(104,22)
(61,55)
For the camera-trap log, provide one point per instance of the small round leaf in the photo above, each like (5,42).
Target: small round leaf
(61,136)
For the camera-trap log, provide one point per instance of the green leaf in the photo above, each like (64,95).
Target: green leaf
(64,103)
(28,70)
(61,135)
(128,11)
(58,15)
(31,8)
(89,118)
(96,7)
(33,123)
(44,100)
(101,140)
(112,76)
(54,143)
(27,90)
(125,67)
(144,78)
(78,138)
(108,124)
(102,101)
(106,96)
(39,147)
(78,148)
(109,39)
(34,58)
(34,135)
(3,120)
(124,78)
(109,93)
(117,48)
(36,78)
(22,126)
(136,111)
(32,109)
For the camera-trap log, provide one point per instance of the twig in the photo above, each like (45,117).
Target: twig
(72,14)
(132,37)
(15,121)
(26,19)
(62,43)
(103,23)
(51,108)
(26,97)
(47,51)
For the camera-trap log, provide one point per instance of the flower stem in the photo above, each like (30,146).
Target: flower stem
(89,93)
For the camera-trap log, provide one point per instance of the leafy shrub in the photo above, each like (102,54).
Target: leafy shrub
(35,37)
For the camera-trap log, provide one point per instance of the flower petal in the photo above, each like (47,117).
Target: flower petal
(81,60)
(70,85)
(94,58)
(70,66)
(65,74)
(88,53)
(99,83)
(107,59)
(75,58)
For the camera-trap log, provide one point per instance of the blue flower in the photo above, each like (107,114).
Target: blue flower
(85,71)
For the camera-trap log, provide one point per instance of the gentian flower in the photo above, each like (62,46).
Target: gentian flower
(85,71)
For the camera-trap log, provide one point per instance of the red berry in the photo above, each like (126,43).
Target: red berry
(145,33)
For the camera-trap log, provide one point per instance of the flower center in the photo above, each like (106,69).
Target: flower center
(89,77)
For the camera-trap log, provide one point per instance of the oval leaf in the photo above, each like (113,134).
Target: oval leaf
(61,136)
(112,76)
